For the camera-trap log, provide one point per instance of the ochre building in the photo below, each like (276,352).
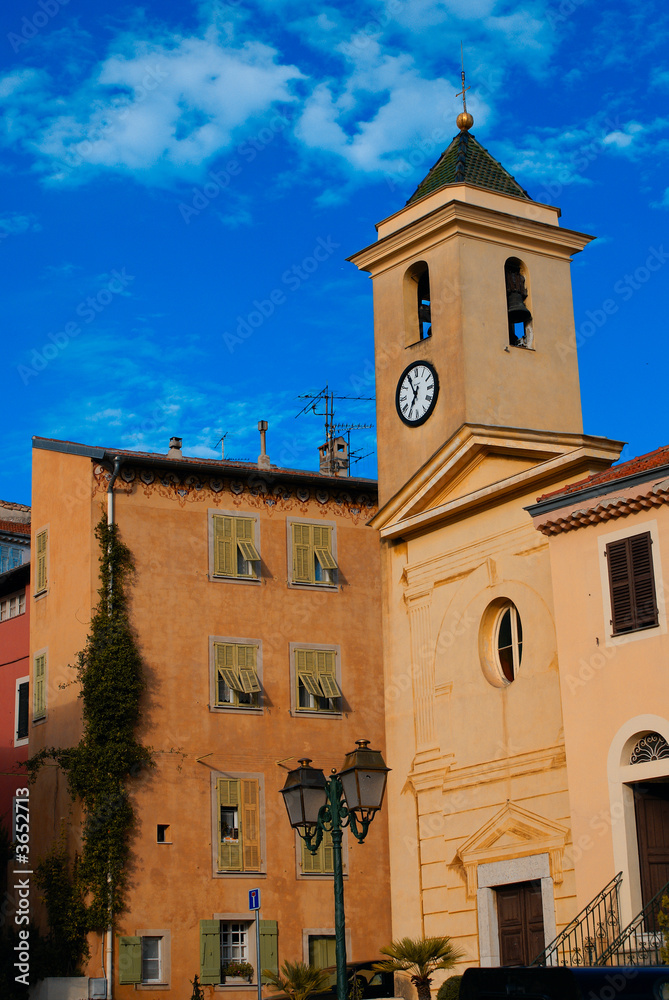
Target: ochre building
(256,605)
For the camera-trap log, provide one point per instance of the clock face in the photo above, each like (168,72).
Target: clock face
(417,392)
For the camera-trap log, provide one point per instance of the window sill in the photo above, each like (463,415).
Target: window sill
(218,874)
(40,721)
(320,877)
(254,581)
(331,587)
(236,709)
(152,986)
(40,594)
(310,713)
(634,631)
(23,742)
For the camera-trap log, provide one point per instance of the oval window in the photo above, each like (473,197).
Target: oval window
(509,640)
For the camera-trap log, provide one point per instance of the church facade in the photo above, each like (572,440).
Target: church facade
(478,411)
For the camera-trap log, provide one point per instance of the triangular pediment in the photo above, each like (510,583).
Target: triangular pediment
(513,832)
(511,827)
(482,465)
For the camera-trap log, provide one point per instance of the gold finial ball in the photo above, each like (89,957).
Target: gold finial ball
(464,121)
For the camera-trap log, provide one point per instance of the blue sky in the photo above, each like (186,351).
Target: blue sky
(182,183)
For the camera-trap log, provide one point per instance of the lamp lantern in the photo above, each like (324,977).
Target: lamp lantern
(304,793)
(363,779)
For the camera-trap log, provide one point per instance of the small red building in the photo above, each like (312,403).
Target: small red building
(14,651)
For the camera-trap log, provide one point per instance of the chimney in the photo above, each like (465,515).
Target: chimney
(333,457)
(175,448)
(263,457)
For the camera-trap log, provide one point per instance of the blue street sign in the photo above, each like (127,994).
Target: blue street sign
(254,899)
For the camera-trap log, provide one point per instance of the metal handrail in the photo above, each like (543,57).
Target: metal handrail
(641,942)
(588,935)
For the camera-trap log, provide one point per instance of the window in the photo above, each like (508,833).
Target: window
(312,554)
(151,959)
(10,556)
(518,315)
(320,863)
(163,833)
(238,824)
(39,688)
(41,576)
(228,949)
(13,606)
(315,677)
(417,304)
(143,958)
(632,584)
(235,674)
(501,642)
(22,710)
(509,640)
(322,951)
(234,546)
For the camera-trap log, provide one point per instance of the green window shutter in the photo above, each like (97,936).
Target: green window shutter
(250,832)
(210,952)
(39,680)
(312,864)
(328,856)
(129,960)
(326,671)
(244,534)
(225,552)
(321,863)
(269,950)
(322,952)
(306,671)
(323,547)
(41,573)
(229,851)
(246,664)
(226,667)
(249,680)
(303,554)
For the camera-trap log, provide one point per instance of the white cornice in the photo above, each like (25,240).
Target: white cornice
(460,218)
(556,457)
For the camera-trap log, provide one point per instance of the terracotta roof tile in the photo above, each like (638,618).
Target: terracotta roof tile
(18,527)
(219,464)
(643,463)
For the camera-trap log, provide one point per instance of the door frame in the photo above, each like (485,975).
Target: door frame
(499,873)
(622,776)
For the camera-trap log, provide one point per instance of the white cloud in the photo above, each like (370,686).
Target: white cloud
(621,139)
(410,118)
(13,223)
(158,109)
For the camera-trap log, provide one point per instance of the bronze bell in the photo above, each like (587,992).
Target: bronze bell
(424,312)
(518,311)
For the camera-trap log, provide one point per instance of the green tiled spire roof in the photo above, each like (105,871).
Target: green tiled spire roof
(466,160)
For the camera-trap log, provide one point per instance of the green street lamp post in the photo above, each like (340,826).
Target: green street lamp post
(316,804)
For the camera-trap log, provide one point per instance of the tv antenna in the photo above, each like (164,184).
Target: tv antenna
(326,398)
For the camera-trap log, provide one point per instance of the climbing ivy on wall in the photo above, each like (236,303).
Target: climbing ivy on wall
(108,756)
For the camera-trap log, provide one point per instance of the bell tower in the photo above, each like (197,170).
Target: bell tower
(473,317)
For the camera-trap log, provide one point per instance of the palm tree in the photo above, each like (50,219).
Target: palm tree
(298,980)
(420,957)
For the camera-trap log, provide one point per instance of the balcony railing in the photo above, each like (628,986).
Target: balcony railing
(590,934)
(641,942)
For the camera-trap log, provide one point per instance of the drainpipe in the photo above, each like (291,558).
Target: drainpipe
(110,521)
(110,489)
